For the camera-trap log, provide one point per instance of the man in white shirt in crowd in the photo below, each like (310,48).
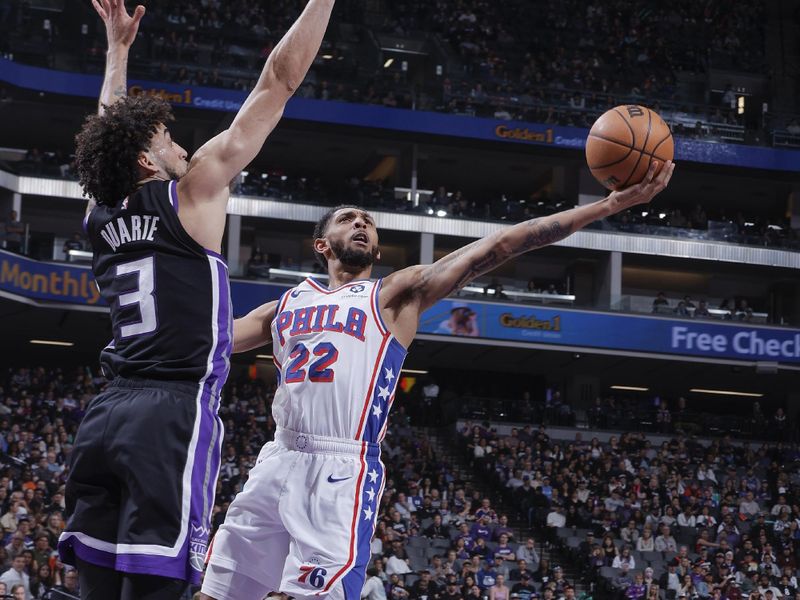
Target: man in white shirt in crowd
(373,587)
(17,575)
(556,518)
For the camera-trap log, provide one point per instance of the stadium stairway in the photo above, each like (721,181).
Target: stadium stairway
(446,444)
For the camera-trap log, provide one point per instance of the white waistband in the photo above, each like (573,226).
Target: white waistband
(319,444)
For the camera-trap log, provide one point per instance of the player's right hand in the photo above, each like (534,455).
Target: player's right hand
(643,192)
(121,28)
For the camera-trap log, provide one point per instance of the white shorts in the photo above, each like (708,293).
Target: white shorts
(303,523)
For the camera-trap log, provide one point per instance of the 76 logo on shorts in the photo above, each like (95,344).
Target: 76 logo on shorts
(314,575)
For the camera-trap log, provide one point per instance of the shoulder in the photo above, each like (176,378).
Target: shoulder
(402,282)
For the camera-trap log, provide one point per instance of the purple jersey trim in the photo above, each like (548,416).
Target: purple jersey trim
(173,194)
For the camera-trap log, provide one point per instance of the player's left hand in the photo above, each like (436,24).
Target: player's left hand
(642,192)
(121,28)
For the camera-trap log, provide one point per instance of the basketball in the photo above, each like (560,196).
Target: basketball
(623,142)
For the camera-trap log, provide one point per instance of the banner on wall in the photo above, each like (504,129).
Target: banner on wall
(48,282)
(587,329)
(380,117)
(74,285)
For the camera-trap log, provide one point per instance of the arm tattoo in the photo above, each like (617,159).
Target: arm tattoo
(540,235)
(121,91)
(536,236)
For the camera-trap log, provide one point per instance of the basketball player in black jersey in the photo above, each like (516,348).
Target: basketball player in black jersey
(146,457)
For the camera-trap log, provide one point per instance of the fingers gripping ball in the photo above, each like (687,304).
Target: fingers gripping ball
(623,142)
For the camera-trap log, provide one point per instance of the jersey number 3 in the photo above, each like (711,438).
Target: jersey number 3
(141,296)
(319,371)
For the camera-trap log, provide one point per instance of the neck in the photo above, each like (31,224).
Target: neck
(339,274)
(154,177)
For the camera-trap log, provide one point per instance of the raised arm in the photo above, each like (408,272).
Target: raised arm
(253,330)
(407,293)
(121,29)
(222,158)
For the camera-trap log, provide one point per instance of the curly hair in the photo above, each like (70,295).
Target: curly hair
(108,146)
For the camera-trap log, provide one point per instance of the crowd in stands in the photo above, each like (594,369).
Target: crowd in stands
(700,222)
(541,65)
(39,414)
(728,309)
(682,519)
(662,415)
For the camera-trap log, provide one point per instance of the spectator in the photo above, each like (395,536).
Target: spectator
(665,542)
(451,591)
(623,580)
(437,530)
(646,543)
(424,588)
(373,587)
(624,558)
(636,590)
(670,580)
(487,576)
(702,310)
(660,304)
(75,243)
(527,552)
(524,588)
(17,575)
(499,591)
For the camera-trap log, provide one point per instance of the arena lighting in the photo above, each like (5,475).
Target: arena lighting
(388,63)
(645,213)
(662,215)
(413,371)
(264,356)
(52,343)
(630,388)
(441,213)
(726,393)
(327,56)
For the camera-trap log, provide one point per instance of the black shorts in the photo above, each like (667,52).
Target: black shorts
(142,476)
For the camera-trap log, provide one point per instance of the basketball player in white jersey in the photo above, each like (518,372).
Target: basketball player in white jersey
(304,521)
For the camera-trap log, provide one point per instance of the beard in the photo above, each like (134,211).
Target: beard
(350,257)
(176,172)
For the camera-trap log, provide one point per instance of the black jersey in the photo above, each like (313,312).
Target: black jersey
(169,296)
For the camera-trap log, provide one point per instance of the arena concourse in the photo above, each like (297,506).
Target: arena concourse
(614,417)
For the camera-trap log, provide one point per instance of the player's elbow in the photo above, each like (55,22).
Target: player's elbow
(503,248)
(285,72)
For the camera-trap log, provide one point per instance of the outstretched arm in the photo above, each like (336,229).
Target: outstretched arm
(222,158)
(253,330)
(422,286)
(121,29)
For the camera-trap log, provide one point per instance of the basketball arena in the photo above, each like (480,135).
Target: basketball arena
(417,300)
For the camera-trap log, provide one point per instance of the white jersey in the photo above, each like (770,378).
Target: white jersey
(338,364)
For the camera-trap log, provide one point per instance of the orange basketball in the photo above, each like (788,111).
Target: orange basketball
(623,142)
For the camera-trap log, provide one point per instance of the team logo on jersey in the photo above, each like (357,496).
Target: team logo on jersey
(125,204)
(198,544)
(296,293)
(356,289)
